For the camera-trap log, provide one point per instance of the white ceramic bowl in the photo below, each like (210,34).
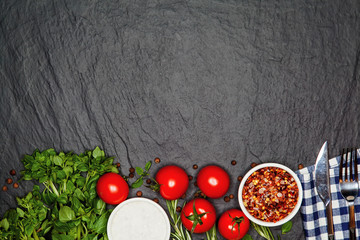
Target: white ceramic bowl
(291,214)
(138,219)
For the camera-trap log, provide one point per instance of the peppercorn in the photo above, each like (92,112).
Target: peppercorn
(118,165)
(233,162)
(178,209)
(195,166)
(231,196)
(12,172)
(139,193)
(15,185)
(131,175)
(226,199)
(190,177)
(156,200)
(4,188)
(9,181)
(148,181)
(131,170)
(183,196)
(157,160)
(239,178)
(253,164)
(301,166)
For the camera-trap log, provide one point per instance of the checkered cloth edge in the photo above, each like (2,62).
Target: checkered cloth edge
(313,210)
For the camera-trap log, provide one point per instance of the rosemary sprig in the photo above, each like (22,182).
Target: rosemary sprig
(211,234)
(179,233)
(265,232)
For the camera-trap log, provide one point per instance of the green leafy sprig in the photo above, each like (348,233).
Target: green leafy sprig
(178,233)
(68,206)
(142,174)
(265,232)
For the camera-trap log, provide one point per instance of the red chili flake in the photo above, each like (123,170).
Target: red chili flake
(270,194)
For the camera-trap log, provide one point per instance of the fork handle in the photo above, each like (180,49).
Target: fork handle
(352,226)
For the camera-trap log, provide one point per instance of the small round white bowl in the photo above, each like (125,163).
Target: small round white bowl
(288,217)
(138,219)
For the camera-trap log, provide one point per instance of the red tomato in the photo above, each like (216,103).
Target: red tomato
(204,212)
(173,182)
(112,188)
(213,181)
(233,224)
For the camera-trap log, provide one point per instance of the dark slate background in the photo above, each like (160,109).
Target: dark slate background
(186,81)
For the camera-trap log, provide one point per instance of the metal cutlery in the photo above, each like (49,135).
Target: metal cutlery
(322,185)
(349,185)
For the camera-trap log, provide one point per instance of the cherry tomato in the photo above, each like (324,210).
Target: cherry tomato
(213,181)
(202,211)
(112,188)
(173,182)
(233,224)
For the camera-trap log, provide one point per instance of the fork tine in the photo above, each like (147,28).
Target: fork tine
(351,165)
(346,163)
(341,166)
(356,165)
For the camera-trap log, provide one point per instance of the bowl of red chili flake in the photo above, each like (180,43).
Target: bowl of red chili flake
(270,194)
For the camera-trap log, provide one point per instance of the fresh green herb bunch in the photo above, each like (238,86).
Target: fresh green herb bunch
(68,206)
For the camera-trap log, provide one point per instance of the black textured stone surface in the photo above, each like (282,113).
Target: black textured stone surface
(186,81)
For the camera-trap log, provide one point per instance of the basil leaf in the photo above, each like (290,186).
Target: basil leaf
(100,224)
(148,166)
(97,153)
(66,214)
(79,194)
(5,224)
(36,166)
(29,228)
(48,197)
(70,187)
(20,212)
(58,160)
(60,174)
(82,167)
(100,206)
(286,227)
(62,198)
(138,183)
(79,180)
(139,170)
(68,170)
(247,237)
(75,203)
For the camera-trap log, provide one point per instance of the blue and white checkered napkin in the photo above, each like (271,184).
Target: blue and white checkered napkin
(313,209)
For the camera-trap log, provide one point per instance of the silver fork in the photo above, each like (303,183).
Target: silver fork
(349,185)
